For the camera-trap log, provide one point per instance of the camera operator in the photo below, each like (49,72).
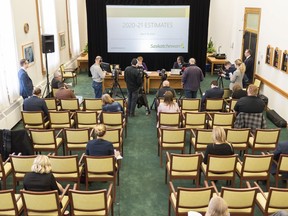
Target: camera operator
(133,79)
(98,76)
(228,68)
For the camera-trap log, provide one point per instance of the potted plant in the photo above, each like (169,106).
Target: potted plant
(85,50)
(210,46)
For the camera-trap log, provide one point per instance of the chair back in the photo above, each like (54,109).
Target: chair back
(221,164)
(86,119)
(169,119)
(266,138)
(190,105)
(214,104)
(277,199)
(64,167)
(99,165)
(238,137)
(232,105)
(41,203)
(257,164)
(283,163)
(77,138)
(51,103)
(69,104)
(185,163)
(193,120)
(43,137)
(224,120)
(33,119)
(203,137)
(92,104)
(8,203)
(227,93)
(240,200)
(115,137)
(112,119)
(257,82)
(60,119)
(173,136)
(54,90)
(161,100)
(21,164)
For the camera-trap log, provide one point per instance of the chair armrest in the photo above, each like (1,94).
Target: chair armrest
(206,183)
(81,158)
(248,184)
(202,155)
(192,133)
(168,158)
(215,188)
(183,116)
(209,116)
(238,159)
(72,115)
(259,188)
(8,159)
(64,192)
(75,186)
(171,188)
(110,191)
(251,134)
(60,132)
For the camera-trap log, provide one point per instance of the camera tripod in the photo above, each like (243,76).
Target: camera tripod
(154,101)
(114,92)
(220,81)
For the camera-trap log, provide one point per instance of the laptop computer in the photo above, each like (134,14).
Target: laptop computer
(175,71)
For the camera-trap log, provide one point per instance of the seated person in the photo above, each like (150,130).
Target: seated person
(217,207)
(56,80)
(179,63)
(213,92)
(220,145)
(63,92)
(228,68)
(250,103)
(109,105)
(99,146)
(168,105)
(142,64)
(41,178)
(282,148)
(35,103)
(165,87)
(238,92)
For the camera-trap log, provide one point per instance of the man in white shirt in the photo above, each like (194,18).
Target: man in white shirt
(98,76)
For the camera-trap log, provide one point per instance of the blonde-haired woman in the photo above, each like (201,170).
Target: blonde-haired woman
(217,207)
(41,178)
(220,145)
(168,105)
(109,105)
(238,75)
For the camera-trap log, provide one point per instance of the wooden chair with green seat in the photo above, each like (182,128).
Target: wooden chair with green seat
(97,202)
(189,199)
(5,171)
(61,119)
(171,139)
(77,139)
(46,140)
(21,164)
(67,168)
(34,119)
(238,138)
(86,119)
(10,203)
(68,73)
(225,120)
(45,203)
(274,200)
(240,201)
(220,167)
(264,140)
(183,166)
(254,167)
(199,139)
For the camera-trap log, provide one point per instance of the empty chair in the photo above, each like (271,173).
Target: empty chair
(68,73)
(98,202)
(190,105)
(171,139)
(114,120)
(200,138)
(254,167)
(46,140)
(51,104)
(169,120)
(231,105)
(54,90)
(34,119)
(189,199)
(214,104)
(264,140)
(194,120)
(225,120)
(86,119)
(70,104)
(77,139)
(10,203)
(5,171)
(183,166)
(238,138)
(61,119)
(92,104)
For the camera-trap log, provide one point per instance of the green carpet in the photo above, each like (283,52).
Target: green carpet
(142,190)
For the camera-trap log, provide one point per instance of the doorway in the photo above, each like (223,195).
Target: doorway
(251,29)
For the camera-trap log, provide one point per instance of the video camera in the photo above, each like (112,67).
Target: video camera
(163,75)
(142,72)
(116,72)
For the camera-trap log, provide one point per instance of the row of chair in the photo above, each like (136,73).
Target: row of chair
(240,139)
(98,202)
(240,201)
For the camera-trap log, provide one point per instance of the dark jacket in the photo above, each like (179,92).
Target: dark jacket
(161,91)
(191,78)
(239,94)
(133,79)
(35,103)
(215,92)
(99,147)
(26,85)
(249,63)
(249,104)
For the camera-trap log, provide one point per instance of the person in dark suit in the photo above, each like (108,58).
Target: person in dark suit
(238,92)
(179,63)
(35,103)
(25,82)
(282,148)
(56,80)
(249,63)
(213,92)
(99,146)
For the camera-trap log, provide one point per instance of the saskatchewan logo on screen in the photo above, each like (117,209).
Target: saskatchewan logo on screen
(167,46)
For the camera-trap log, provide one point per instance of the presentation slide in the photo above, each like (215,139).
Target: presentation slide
(147,29)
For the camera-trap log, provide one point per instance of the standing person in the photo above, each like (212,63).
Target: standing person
(98,76)
(191,78)
(26,84)
(238,75)
(249,63)
(179,63)
(141,63)
(133,79)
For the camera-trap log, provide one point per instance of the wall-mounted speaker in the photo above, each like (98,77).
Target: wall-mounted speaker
(47,43)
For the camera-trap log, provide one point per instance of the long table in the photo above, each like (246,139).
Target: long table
(214,61)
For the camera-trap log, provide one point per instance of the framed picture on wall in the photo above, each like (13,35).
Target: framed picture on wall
(62,41)
(284,64)
(277,58)
(28,53)
(269,55)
